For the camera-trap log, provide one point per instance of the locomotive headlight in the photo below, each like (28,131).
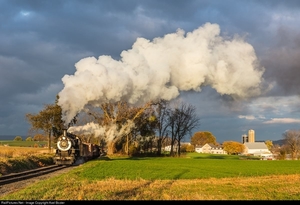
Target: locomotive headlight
(64,144)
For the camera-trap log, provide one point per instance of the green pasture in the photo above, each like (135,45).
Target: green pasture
(23,143)
(194,166)
(127,178)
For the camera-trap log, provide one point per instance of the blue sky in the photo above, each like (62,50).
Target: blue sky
(237,62)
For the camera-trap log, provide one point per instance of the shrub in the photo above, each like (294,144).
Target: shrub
(18,138)
(29,139)
(39,137)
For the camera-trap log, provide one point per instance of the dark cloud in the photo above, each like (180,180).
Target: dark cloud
(41,41)
(283,60)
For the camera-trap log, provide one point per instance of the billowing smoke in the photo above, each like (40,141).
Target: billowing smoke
(161,68)
(109,132)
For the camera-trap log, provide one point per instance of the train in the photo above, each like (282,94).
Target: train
(72,150)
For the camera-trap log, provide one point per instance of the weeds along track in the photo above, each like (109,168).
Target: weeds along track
(15,177)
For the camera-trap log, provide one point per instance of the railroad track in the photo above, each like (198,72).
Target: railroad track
(14,177)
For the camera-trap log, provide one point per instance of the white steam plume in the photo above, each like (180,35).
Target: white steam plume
(109,132)
(161,68)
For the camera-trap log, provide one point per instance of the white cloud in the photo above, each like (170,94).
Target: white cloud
(247,117)
(275,105)
(282,121)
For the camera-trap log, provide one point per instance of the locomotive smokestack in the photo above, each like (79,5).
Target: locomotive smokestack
(65,132)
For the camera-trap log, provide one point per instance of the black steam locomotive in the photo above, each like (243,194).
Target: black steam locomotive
(71,150)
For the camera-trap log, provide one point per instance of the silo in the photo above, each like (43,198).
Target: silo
(251,136)
(244,138)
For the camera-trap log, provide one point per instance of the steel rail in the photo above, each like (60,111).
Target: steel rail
(14,177)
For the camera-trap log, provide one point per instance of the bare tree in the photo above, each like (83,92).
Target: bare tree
(162,111)
(292,140)
(183,120)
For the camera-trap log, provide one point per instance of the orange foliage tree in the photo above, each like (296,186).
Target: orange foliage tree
(203,137)
(232,147)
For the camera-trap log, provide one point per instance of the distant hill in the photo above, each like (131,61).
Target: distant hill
(278,142)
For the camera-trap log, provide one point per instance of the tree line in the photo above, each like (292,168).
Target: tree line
(290,144)
(155,125)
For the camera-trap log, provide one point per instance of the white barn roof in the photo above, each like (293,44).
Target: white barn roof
(256,145)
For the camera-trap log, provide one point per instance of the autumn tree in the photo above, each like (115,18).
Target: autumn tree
(203,137)
(140,118)
(292,141)
(29,139)
(232,147)
(281,151)
(121,115)
(18,138)
(187,148)
(47,119)
(145,127)
(39,137)
(269,144)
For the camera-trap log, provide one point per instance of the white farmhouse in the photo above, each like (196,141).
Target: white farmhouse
(210,148)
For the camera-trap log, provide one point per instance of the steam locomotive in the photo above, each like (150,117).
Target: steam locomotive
(71,150)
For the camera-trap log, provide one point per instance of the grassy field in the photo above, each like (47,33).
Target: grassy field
(17,159)
(13,143)
(193,177)
(15,151)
